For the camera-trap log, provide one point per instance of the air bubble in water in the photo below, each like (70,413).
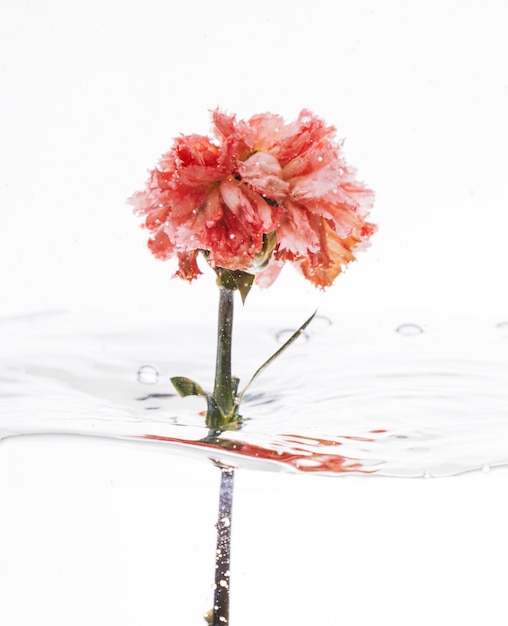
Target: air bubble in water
(148,375)
(408,330)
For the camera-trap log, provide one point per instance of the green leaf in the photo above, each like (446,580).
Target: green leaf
(235,279)
(291,340)
(187,387)
(209,617)
(216,420)
(244,282)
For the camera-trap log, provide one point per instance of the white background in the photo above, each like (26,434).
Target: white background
(92,93)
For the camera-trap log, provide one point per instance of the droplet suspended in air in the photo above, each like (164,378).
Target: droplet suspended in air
(148,375)
(409,330)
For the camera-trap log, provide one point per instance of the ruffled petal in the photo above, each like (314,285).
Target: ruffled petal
(188,266)
(296,235)
(161,246)
(236,201)
(260,177)
(338,251)
(263,173)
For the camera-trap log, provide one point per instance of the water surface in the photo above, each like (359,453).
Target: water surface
(399,397)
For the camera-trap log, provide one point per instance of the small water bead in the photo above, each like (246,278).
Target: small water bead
(283,335)
(502,327)
(486,468)
(320,321)
(148,375)
(427,474)
(409,330)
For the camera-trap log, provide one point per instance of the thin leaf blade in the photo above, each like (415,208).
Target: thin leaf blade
(276,354)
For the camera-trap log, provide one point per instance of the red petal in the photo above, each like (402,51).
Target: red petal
(161,246)
(187,266)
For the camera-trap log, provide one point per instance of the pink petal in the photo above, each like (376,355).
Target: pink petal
(296,234)
(236,201)
(266,278)
(263,173)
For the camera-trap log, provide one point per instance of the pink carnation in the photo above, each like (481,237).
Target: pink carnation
(259,176)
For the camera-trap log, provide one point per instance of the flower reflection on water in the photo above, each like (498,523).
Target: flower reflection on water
(301,453)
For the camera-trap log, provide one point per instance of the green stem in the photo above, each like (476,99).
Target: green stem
(223,393)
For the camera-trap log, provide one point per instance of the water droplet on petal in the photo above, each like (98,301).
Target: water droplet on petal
(486,468)
(409,330)
(148,375)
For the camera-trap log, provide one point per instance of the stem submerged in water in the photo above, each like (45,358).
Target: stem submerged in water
(223,552)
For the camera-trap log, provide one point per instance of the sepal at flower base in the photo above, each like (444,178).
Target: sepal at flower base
(235,280)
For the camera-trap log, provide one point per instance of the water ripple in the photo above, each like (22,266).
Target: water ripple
(396,400)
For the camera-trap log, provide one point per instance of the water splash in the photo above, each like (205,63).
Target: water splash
(356,398)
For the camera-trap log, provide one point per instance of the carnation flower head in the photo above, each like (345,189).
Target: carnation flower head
(259,194)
